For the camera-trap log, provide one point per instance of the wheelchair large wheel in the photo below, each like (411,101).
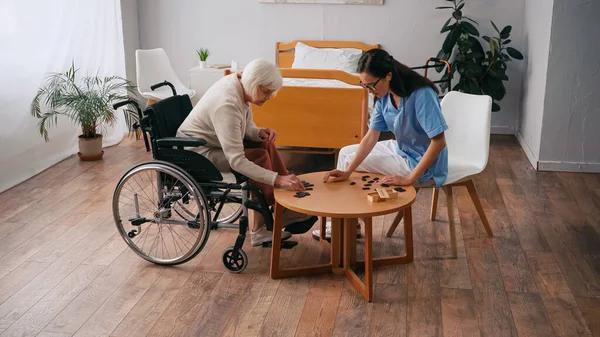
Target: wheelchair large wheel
(161,213)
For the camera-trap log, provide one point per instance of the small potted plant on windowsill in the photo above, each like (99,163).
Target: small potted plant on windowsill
(88,104)
(203,54)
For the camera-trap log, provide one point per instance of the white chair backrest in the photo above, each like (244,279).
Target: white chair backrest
(469,121)
(153,66)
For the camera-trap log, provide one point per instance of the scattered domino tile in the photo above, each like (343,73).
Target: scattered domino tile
(353,183)
(367,185)
(399,189)
(385,185)
(366,188)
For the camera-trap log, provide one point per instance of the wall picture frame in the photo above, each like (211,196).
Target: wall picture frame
(337,2)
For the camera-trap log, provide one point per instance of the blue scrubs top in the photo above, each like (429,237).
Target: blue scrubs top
(417,119)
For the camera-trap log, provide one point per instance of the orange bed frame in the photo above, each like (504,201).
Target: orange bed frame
(309,118)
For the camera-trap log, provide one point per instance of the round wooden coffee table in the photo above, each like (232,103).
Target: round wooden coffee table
(344,203)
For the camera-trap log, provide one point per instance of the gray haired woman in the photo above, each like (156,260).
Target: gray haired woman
(223,117)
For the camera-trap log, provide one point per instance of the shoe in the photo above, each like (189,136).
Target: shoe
(291,217)
(317,232)
(263,235)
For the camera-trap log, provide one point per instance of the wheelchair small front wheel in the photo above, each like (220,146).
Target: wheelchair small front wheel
(161,213)
(236,263)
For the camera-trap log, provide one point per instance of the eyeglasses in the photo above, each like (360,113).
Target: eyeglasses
(370,86)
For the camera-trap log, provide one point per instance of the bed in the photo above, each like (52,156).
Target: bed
(322,106)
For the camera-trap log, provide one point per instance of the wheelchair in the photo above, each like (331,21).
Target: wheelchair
(165,208)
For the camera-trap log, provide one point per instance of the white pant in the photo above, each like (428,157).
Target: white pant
(383,159)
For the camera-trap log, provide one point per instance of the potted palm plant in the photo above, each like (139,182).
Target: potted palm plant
(87,103)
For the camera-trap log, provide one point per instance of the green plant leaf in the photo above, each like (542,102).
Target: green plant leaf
(457,15)
(444,7)
(445,26)
(514,53)
(493,87)
(495,107)
(467,18)
(469,28)
(450,40)
(476,46)
(461,6)
(507,41)
(493,47)
(443,56)
(506,32)
(495,27)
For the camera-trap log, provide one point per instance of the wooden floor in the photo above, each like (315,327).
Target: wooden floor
(65,271)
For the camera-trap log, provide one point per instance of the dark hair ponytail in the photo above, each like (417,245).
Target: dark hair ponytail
(404,82)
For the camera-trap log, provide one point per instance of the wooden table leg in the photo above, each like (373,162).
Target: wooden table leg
(337,245)
(350,230)
(365,288)
(276,271)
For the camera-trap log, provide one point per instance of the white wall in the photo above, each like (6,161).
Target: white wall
(245,29)
(131,35)
(536,43)
(570,138)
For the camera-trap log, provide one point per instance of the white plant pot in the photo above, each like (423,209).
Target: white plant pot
(202,64)
(90,149)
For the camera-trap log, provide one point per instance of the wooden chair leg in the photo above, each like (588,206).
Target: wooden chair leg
(397,219)
(449,202)
(475,197)
(450,206)
(394,224)
(434,201)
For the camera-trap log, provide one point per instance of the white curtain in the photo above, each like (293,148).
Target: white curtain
(42,36)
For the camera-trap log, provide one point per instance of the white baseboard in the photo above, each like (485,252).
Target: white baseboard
(502,130)
(559,166)
(528,152)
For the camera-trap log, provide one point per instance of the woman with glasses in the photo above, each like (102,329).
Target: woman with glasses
(407,104)
(223,118)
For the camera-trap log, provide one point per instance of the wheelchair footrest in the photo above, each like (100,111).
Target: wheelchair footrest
(284,244)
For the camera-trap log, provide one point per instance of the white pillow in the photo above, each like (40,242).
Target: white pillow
(308,57)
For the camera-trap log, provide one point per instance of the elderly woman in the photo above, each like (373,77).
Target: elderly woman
(223,117)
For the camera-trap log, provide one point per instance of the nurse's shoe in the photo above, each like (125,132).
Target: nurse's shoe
(316,234)
(263,235)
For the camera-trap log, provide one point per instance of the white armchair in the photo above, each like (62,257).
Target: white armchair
(152,67)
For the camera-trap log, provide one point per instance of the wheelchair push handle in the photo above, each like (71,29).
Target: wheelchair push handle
(162,84)
(125,102)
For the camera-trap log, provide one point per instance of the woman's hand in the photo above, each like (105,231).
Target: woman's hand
(267,134)
(289,182)
(337,175)
(397,180)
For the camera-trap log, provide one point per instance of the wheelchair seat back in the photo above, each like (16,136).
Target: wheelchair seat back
(164,118)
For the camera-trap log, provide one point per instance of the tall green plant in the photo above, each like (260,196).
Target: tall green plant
(88,104)
(480,71)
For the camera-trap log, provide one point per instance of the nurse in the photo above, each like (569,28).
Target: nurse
(407,104)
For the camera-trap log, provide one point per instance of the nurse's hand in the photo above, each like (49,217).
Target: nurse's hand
(397,180)
(336,175)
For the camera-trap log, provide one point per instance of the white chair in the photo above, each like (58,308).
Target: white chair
(468,140)
(152,67)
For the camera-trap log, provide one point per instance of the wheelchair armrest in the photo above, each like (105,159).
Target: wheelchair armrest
(180,142)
